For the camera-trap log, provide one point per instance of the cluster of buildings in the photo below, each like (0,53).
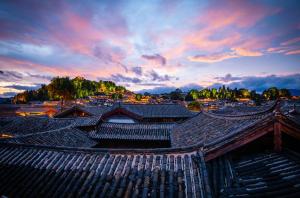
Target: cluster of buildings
(153,150)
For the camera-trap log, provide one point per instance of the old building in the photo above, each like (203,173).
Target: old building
(249,152)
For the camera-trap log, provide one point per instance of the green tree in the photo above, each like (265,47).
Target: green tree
(138,97)
(285,93)
(214,93)
(62,88)
(271,93)
(244,93)
(194,106)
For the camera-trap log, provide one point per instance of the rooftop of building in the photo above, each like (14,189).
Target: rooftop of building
(202,160)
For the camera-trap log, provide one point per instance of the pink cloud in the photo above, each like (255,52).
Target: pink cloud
(291,41)
(211,58)
(293,52)
(237,13)
(220,27)
(245,52)
(59,70)
(217,57)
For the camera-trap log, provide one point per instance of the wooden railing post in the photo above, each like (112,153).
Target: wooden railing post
(277,129)
(277,137)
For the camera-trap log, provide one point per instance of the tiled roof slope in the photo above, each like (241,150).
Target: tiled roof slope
(291,109)
(156,110)
(28,125)
(92,110)
(41,172)
(136,131)
(68,136)
(243,110)
(261,175)
(96,110)
(206,128)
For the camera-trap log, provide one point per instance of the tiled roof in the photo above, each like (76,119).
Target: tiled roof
(261,175)
(96,110)
(291,109)
(92,110)
(206,128)
(40,172)
(49,164)
(27,125)
(156,110)
(243,110)
(86,121)
(68,136)
(137,131)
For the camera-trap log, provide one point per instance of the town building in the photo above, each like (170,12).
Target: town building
(153,151)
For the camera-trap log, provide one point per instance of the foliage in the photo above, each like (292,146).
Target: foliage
(273,93)
(194,105)
(64,88)
(138,97)
(176,95)
(224,93)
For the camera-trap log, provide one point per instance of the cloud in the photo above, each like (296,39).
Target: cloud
(10,76)
(40,76)
(227,78)
(8,94)
(109,54)
(137,70)
(154,76)
(235,13)
(121,78)
(291,41)
(14,76)
(22,87)
(211,58)
(218,57)
(260,83)
(246,52)
(293,52)
(156,58)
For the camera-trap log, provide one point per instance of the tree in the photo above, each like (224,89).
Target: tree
(214,93)
(189,97)
(284,93)
(194,106)
(138,97)
(271,93)
(61,87)
(176,95)
(244,93)
(116,96)
(194,93)
(255,97)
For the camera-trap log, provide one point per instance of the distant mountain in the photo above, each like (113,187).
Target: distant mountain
(295,92)
(168,89)
(5,100)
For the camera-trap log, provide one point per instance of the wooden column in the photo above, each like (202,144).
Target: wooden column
(277,137)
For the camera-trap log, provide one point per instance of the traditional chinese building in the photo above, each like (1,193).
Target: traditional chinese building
(225,153)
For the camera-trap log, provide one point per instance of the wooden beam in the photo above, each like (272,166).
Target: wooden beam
(277,137)
(238,142)
(290,131)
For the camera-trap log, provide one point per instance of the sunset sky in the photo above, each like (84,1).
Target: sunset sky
(150,45)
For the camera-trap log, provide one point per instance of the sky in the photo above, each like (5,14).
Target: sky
(151,45)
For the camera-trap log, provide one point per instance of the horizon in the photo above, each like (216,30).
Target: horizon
(151,46)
